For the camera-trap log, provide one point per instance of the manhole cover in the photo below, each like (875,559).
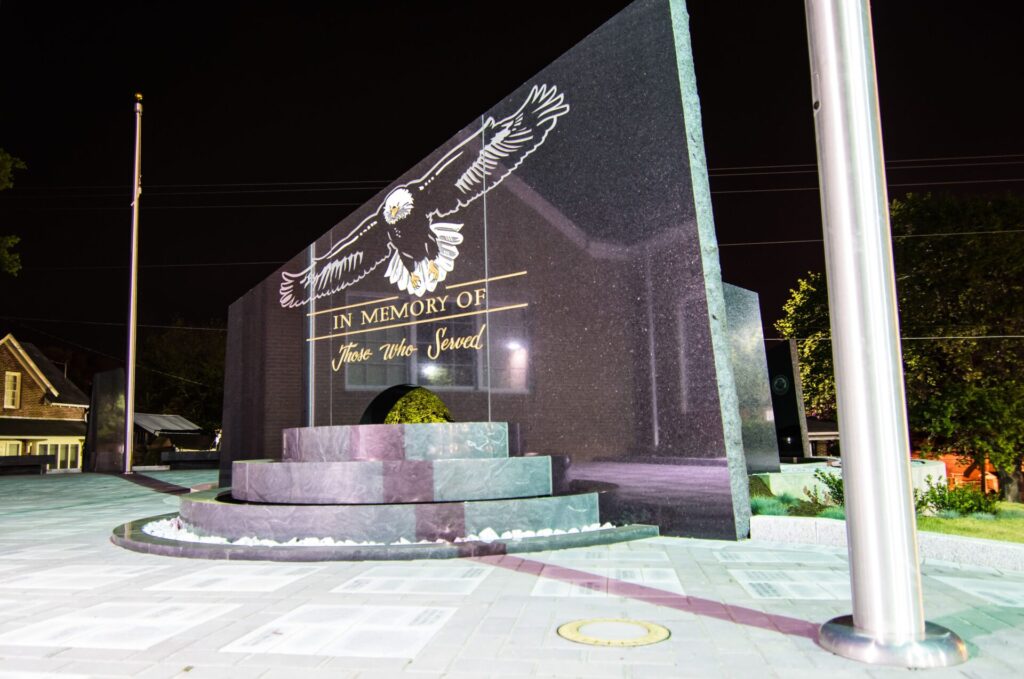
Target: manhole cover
(613,632)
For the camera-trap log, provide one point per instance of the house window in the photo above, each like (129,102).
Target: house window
(12,390)
(510,353)
(450,369)
(10,448)
(447,370)
(378,372)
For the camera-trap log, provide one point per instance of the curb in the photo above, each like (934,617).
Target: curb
(1003,556)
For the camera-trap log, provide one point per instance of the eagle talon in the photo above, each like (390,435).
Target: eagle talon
(414,279)
(432,269)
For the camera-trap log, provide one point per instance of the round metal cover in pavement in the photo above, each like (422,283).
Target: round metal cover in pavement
(613,632)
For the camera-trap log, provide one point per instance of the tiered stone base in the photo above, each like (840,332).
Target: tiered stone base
(390,486)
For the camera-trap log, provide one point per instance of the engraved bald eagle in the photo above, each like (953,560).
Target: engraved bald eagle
(414,231)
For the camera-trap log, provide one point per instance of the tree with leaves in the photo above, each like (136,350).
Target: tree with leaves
(181,371)
(10,262)
(959,265)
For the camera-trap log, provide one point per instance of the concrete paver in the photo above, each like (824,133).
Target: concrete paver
(734,609)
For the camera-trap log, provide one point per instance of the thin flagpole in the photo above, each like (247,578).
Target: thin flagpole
(888,625)
(129,368)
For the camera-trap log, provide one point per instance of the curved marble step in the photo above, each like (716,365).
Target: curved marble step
(131,536)
(434,441)
(390,481)
(213,512)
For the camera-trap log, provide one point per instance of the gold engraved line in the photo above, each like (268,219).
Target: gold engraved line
(422,320)
(485,280)
(352,306)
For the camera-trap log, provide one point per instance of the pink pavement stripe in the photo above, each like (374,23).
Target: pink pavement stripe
(690,604)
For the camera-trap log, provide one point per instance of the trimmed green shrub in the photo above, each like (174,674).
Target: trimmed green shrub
(419,405)
(833,487)
(789,500)
(833,513)
(962,499)
(767,506)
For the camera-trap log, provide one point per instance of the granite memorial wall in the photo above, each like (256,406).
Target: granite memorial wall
(552,265)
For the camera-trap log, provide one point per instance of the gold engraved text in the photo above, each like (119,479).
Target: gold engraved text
(400,349)
(443,343)
(351,353)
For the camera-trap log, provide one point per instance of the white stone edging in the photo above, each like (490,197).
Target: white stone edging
(1003,556)
(174,528)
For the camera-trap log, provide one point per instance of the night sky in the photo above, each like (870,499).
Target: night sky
(268,122)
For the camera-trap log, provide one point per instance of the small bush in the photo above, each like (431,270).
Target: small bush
(962,499)
(833,513)
(807,508)
(788,499)
(758,488)
(767,506)
(982,516)
(833,486)
(419,405)
(948,514)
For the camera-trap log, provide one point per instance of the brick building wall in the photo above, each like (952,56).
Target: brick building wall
(33,402)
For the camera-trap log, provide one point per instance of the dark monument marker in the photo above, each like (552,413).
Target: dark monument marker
(553,265)
(788,400)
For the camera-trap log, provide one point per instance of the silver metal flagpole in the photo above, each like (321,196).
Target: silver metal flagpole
(887,625)
(129,368)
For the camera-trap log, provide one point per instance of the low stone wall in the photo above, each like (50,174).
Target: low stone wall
(1004,556)
(795,478)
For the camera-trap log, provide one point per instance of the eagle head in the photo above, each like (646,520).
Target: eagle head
(397,205)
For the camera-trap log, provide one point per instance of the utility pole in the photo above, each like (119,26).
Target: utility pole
(129,367)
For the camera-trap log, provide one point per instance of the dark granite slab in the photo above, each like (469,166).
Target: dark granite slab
(554,264)
(750,372)
(213,513)
(390,481)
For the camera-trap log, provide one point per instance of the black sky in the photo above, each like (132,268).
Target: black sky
(246,101)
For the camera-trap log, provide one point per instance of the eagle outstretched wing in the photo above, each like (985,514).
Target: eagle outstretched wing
(344,265)
(482,161)
(412,230)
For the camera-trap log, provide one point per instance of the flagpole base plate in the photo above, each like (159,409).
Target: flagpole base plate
(940,647)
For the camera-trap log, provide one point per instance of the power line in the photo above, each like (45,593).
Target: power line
(887,162)
(814,169)
(890,185)
(923,338)
(355,183)
(368,182)
(111,323)
(770,242)
(189,265)
(106,355)
(306,205)
(181,207)
(95,267)
(310,187)
(958,233)
(909,235)
(151,193)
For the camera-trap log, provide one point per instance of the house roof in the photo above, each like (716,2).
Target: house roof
(165,424)
(30,365)
(822,430)
(59,388)
(67,392)
(18,427)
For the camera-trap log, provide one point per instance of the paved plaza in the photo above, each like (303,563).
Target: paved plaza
(74,605)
